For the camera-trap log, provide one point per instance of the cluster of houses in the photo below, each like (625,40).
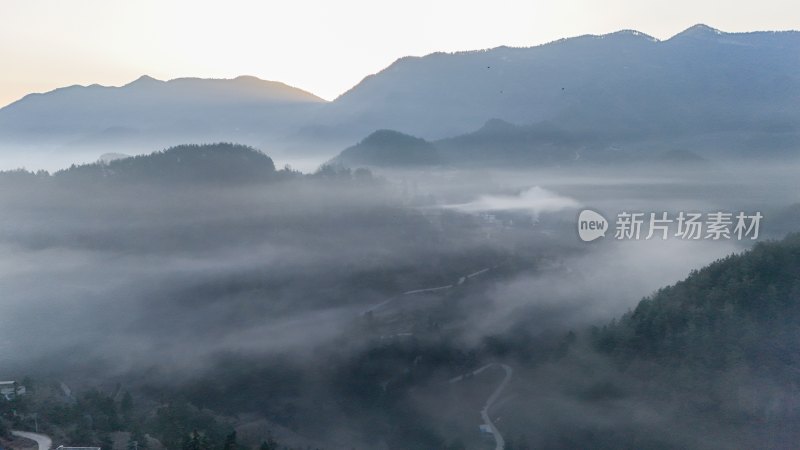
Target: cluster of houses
(11,389)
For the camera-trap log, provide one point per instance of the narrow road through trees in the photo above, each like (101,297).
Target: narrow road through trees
(44,442)
(500,443)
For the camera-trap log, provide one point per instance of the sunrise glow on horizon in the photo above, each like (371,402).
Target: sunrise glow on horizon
(322,47)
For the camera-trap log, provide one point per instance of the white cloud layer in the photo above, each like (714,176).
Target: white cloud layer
(535,200)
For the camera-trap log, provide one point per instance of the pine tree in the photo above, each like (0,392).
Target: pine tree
(230,442)
(269,444)
(126,405)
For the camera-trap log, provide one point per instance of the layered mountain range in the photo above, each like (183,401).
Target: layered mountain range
(702,90)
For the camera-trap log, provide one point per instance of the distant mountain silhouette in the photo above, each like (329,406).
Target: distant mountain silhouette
(501,144)
(742,88)
(387,148)
(245,109)
(703,89)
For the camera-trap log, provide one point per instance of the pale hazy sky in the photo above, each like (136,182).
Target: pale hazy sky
(322,46)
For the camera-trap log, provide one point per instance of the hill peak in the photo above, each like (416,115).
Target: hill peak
(144,80)
(381,136)
(248,79)
(389,148)
(633,34)
(187,163)
(699,31)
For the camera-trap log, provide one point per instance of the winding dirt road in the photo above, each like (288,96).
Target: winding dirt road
(500,443)
(44,442)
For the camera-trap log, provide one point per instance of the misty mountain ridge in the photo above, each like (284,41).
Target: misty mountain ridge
(152,112)
(755,293)
(703,89)
(502,144)
(220,163)
(713,357)
(389,148)
(624,85)
(189,165)
(189,89)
